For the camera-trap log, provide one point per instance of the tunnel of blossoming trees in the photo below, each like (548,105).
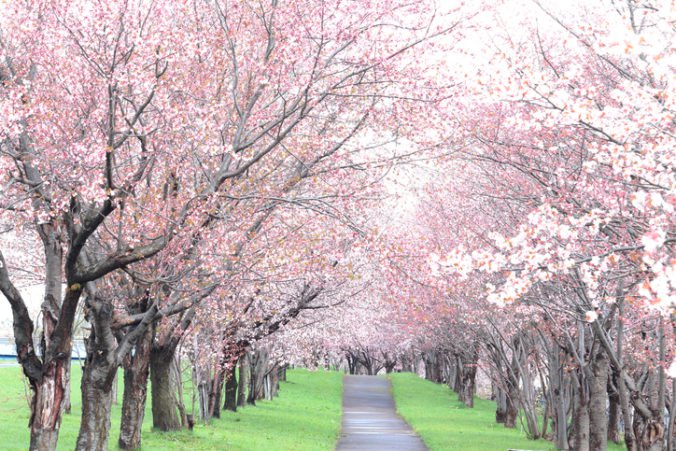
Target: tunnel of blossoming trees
(479,193)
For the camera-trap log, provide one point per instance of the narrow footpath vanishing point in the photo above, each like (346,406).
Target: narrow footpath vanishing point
(370,421)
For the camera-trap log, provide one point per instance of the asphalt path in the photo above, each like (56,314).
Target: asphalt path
(370,421)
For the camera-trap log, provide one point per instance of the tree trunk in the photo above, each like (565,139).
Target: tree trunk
(468,379)
(251,392)
(243,380)
(351,363)
(629,440)
(559,399)
(512,383)
(598,399)
(500,405)
(46,406)
(512,406)
(457,373)
(273,376)
(432,366)
(614,414)
(163,385)
(98,376)
(186,421)
(671,430)
(267,387)
(203,397)
(261,378)
(215,390)
(258,365)
(135,393)
(49,392)
(649,428)
(97,398)
(66,407)
(230,389)
(580,435)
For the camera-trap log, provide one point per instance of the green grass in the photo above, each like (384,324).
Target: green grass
(305,416)
(444,423)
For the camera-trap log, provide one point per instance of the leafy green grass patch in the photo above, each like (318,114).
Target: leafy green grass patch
(305,416)
(444,423)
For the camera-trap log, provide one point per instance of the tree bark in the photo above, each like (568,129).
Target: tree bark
(671,429)
(97,384)
(580,434)
(468,378)
(432,369)
(511,406)
(598,399)
(136,373)
(258,364)
(243,380)
(51,391)
(46,406)
(614,412)
(500,405)
(351,363)
(512,382)
(98,376)
(251,379)
(558,393)
(649,426)
(230,389)
(50,380)
(163,385)
(215,390)
(273,376)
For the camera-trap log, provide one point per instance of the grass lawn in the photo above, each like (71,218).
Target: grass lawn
(305,416)
(444,423)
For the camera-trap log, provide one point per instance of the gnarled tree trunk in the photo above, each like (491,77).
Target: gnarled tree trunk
(97,384)
(97,378)
(136,371)
(46,406)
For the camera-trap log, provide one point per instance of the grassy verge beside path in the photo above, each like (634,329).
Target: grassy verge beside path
(444,423)
(305,416)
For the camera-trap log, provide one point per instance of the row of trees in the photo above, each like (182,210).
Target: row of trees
(552,245)
(184,174)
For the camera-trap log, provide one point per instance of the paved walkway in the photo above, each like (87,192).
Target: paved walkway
(370,421)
